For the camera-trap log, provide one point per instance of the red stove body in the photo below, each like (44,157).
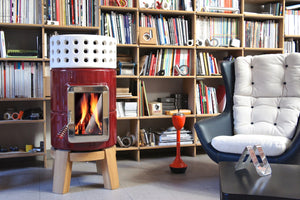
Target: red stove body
(64,78)
(83,92)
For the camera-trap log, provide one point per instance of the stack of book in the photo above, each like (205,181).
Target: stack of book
(130,109)
(169,136)
(123,92)
(168,103)
(126,109)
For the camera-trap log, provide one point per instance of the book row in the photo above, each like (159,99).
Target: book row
(207,99)
(261,34)
(166,62)
(120,26)
(291,22)
(20,11)
(21,80)
(225,6)
(216,31)
(207,64)
(70,12)
(292,46)
(169,30)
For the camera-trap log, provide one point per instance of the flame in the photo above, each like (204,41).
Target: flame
(94,110)
(88,110)
(84,108)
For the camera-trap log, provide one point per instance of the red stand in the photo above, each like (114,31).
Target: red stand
(178,166)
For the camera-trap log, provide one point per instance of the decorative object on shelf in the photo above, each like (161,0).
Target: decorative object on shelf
(28,147)
(147,35)
(155,108)
(262,169)
(127,141)
(126,68)
(182,70)
(200,43)
(178,166)
(147,4)
(122,3)
(212,43)
(166,4)
(235,43)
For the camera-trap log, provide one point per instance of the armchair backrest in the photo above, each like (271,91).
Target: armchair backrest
(267,94)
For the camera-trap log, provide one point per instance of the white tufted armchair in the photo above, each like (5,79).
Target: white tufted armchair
(262,107)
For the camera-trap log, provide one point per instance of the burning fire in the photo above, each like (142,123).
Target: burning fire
(89,122)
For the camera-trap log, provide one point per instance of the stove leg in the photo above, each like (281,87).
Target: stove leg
(62,170)
(110,169)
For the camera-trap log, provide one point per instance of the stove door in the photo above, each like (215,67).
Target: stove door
(88,113)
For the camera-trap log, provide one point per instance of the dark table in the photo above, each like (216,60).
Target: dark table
(246,184)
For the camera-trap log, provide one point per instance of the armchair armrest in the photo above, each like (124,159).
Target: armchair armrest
(207,129)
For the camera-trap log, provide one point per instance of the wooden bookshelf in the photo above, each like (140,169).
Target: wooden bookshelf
(156,86)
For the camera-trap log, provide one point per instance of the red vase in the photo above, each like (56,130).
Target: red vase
(178,166)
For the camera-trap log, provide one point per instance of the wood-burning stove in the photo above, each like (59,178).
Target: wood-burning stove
(83,92)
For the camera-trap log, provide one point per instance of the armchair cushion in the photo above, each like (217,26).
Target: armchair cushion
(266,95)
(272,145)
(266,116)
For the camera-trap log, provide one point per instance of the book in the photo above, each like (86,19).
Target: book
(22,53)
(2,45)
(145,100)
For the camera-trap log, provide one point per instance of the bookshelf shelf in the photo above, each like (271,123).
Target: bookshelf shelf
(16,25)
(220,48)
(22,99)
(167,77)
(262,17)
(116,8)
(166,47)
(127,45)
(264,49)
(20,154)
(71,28)
(2,122)
(209,77)
(22,59)
(125,76)
(166,12)
(167,146)
(211,14)
(127,149)
(292,36)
